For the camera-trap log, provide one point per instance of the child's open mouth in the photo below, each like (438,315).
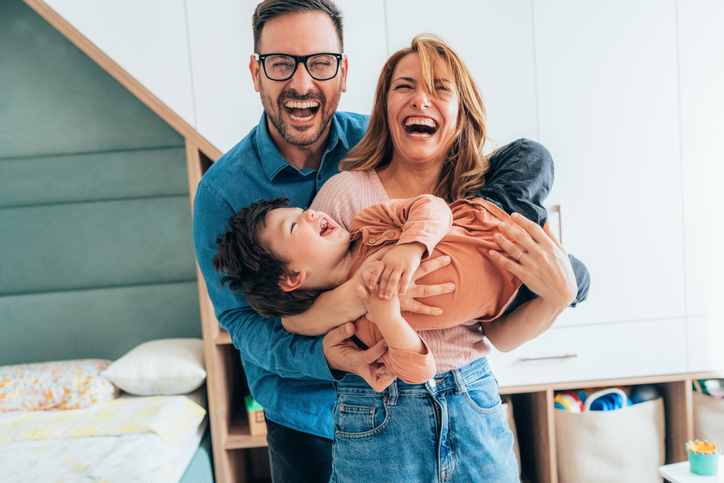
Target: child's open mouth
(301,110)
(420,127)
(325,228)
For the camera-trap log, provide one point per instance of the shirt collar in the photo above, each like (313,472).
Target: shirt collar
(272,161)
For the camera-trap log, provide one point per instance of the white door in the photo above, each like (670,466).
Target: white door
(608,103)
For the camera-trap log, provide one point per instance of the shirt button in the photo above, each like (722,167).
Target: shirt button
(390,233)
(372,240)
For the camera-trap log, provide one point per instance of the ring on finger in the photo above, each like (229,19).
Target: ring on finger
(520,255)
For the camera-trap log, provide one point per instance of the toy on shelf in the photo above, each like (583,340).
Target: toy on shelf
(604,399)
(257,424)
(710,387)
(568,401)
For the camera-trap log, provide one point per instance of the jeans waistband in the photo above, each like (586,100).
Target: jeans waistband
(454,379)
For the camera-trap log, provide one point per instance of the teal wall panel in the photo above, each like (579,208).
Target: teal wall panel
(95,176)
(104,323)
(100,244)
(96,250)
(56,100)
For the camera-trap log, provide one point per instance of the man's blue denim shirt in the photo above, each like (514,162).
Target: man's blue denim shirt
(287,374)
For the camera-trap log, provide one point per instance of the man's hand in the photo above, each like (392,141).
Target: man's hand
(342,354)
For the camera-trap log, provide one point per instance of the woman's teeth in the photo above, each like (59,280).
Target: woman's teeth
(420,127)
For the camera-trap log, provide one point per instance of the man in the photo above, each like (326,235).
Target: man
(295,148)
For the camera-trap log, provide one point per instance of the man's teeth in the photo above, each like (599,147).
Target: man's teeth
(301,104)
(308,118)
(291,106)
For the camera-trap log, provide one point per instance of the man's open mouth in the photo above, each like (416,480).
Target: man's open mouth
(301,110)
(420,127)
(325,228)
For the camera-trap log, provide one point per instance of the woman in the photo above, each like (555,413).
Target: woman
(426,135)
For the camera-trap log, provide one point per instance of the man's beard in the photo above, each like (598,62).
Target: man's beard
(295,135)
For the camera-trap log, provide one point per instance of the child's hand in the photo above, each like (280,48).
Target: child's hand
(385,312)
(395,269)
(380,310)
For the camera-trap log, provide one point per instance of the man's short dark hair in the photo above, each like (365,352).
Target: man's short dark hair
(251,269)
(269,9)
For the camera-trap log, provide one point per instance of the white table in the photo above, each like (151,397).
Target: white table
(679,473)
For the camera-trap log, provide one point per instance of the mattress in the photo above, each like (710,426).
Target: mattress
(145,440)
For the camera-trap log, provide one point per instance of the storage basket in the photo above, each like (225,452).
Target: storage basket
(624,445)
(708,418)
(508,408)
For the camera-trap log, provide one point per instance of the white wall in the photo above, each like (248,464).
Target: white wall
(147,39)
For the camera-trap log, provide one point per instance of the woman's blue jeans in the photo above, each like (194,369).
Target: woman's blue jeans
(451,429)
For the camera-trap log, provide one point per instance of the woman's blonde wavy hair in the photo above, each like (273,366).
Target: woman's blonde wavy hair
(465,164)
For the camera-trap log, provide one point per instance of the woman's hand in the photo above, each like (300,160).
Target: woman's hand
(538,260)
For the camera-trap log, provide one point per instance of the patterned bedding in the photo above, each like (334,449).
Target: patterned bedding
(125,440)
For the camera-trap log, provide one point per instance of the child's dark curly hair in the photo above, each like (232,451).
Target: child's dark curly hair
(252,270)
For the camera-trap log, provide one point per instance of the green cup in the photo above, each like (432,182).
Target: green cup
(703,463)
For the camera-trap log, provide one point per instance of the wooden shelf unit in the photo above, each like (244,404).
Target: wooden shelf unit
(535,418)
(239,457)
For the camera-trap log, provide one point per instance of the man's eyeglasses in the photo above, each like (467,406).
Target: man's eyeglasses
(281,67)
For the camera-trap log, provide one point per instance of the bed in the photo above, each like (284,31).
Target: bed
(65,421)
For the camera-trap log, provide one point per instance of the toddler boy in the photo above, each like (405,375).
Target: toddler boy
(283,258)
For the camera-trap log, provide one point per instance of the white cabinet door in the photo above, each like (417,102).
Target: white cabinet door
(705,340)
(701,51)
(147,39)
(495,40)
(608,97)
(602,351)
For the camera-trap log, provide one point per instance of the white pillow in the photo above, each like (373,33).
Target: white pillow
(160,367)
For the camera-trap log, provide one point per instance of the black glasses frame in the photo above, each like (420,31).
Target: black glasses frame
(300,59)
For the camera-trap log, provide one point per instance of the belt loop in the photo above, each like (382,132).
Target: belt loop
(393,393)
(459,383)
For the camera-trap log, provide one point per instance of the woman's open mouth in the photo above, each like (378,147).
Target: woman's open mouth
(420,127)
(301,110)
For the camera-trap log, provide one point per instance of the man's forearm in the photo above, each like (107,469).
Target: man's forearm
(265,343)
(330,310)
